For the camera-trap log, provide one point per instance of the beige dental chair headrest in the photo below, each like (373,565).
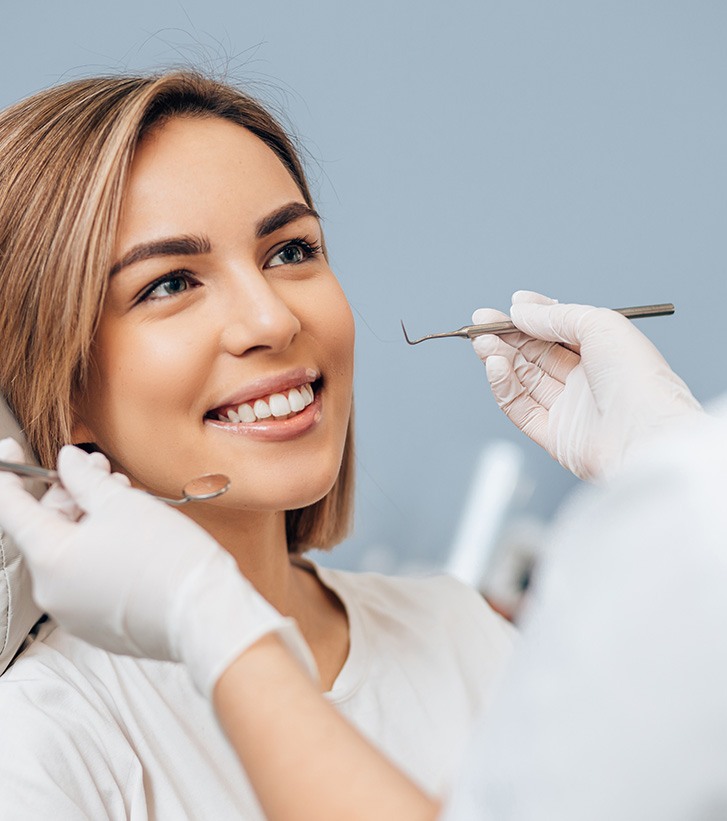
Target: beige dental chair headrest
(18,611)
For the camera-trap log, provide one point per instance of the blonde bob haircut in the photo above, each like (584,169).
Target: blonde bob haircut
(65,155)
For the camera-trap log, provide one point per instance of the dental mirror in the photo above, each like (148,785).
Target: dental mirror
(201,489)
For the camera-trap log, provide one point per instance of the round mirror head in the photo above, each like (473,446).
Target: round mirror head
(207,487)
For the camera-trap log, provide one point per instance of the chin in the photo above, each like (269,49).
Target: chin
(293,493)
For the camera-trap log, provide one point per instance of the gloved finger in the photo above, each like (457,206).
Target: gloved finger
(493,345)
(10,450)
(87,480)
(58,499)
(122,479)
(516,401)
(555,323)
(532,296)
(22,516)
(483,316)
(543,388)
(551,357)
(99,459)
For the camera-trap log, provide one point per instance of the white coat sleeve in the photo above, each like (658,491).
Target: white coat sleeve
(615,705)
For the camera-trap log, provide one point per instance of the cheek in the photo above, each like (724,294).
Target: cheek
(141,379)
(335,323)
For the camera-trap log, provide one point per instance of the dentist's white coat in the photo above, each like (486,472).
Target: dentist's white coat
(616,704)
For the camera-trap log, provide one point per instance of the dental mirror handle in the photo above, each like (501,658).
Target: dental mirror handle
(209,487)
(30,471)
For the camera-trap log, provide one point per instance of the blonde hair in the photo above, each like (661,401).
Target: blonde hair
(65,156)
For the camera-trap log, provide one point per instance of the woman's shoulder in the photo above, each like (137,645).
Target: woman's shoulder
(433,601)
(48,685)
(434,630)
(60,744)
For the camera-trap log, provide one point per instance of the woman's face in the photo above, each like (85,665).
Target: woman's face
(221,307)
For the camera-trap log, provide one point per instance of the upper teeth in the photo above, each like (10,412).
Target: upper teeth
(276,405)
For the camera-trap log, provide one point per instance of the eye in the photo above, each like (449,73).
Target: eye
(168,286)
(294,252)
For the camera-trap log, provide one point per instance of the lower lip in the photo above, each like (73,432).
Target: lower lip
(275,430)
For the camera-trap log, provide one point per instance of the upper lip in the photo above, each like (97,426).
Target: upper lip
(266,385)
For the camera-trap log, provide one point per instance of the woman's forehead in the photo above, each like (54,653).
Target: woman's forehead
(195,174)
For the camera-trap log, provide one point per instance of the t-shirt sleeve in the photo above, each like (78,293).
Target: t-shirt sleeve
(488,638)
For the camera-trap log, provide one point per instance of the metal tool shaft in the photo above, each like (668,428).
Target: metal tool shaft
(203,488)
(31,471)
(506,326)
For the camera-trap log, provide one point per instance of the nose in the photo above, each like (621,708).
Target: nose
(257,318)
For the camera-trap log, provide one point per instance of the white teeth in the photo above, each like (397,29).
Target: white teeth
(247,414)
(262,409)
(279,405)
(295,398)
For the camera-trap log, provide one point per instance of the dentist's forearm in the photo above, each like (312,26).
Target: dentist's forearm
(304,760)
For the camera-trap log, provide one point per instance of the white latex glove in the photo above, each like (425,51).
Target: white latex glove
(126,572)
(588,403)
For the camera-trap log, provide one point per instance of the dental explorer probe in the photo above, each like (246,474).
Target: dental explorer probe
(506,326)
(200,489)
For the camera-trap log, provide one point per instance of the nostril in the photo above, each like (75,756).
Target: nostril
(256,348)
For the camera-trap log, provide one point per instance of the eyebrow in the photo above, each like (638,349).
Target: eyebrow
(170,247)
(280,218)
(191,245)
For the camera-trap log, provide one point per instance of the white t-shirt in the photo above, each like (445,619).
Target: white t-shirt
(87,734)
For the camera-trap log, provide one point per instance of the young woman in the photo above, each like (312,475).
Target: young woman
(166,301)
(581,685)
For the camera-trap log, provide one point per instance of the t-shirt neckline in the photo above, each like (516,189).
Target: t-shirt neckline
(353,672)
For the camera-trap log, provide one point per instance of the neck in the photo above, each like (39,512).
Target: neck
(257,542)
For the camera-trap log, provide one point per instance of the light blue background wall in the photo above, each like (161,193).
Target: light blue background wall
(463,150)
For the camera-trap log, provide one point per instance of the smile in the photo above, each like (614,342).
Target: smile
(270,407)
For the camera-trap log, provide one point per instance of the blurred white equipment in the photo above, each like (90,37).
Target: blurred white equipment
(491,498)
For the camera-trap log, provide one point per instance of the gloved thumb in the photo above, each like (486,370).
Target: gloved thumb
(88,480)
(532,296)
(567,324)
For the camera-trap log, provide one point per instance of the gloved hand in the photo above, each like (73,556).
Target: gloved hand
(582,382)
(126,572)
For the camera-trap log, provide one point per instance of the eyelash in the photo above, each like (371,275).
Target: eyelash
(145,295)
(310,248)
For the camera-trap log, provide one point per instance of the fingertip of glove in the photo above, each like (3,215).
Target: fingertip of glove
(70,456)
(524,296)
(10,449)
(485,345)
(74,464)
(484,315)
(521,310)
(498,367)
